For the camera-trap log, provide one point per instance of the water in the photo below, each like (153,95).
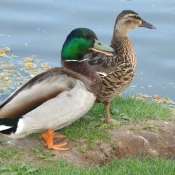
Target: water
(40,28)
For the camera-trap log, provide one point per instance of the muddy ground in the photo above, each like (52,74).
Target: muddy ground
(153,138)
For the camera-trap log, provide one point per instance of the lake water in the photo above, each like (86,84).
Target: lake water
(40,28)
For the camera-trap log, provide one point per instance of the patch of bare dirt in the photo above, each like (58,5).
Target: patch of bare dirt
(153,138)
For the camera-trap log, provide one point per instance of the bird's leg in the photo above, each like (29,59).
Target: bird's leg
(49,136)
(108,116)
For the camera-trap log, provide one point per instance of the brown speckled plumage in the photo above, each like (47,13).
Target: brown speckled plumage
(119,69)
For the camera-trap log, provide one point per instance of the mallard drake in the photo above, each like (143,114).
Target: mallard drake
(55,98)
(117,71)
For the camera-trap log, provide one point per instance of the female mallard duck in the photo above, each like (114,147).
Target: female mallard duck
(117,71)
(55,98)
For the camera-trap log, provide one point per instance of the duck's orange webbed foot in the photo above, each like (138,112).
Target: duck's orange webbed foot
(49,136)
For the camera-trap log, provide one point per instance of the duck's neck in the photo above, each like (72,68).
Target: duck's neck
(124,49)
(120,36)
(82,71)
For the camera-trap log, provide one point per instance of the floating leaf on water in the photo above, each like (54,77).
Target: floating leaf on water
(13,56)
(12,79)
(155,97)
(29,65)
(3,51)
(146,96)
(9,71)
(43,65)
(142,96)
(4,78)
(27,59)
(167,100)
(6,65)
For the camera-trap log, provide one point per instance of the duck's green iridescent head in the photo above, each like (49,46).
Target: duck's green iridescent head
(80,42)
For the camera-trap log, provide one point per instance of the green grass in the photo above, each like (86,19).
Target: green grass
(41,154)
(134,166)
(131,109)
(9,154)
(125,110)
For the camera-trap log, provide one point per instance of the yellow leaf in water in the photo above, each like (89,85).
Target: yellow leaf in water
(167,100)
(145,96)
(162,100)
(156,97)
(9,71)
(13,56)
(3,51)
(27,59)
(142,96)
(43,65)
(29,65)
(4,78)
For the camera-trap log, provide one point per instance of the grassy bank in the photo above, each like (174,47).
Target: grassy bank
(125,110)
(157,166)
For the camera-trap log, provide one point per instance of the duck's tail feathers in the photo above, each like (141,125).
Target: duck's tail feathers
(7,126)
(4,127)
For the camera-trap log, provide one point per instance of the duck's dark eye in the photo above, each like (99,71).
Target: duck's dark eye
(136,17)
(85,36)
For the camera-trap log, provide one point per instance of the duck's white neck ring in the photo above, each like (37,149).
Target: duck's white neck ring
(75,60)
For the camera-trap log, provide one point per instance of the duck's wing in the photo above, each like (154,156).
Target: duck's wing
(35,92)
(102,63)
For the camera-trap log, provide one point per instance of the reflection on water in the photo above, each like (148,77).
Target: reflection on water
(40,27)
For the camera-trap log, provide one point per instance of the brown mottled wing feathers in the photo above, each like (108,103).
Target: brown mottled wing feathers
(102,63)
